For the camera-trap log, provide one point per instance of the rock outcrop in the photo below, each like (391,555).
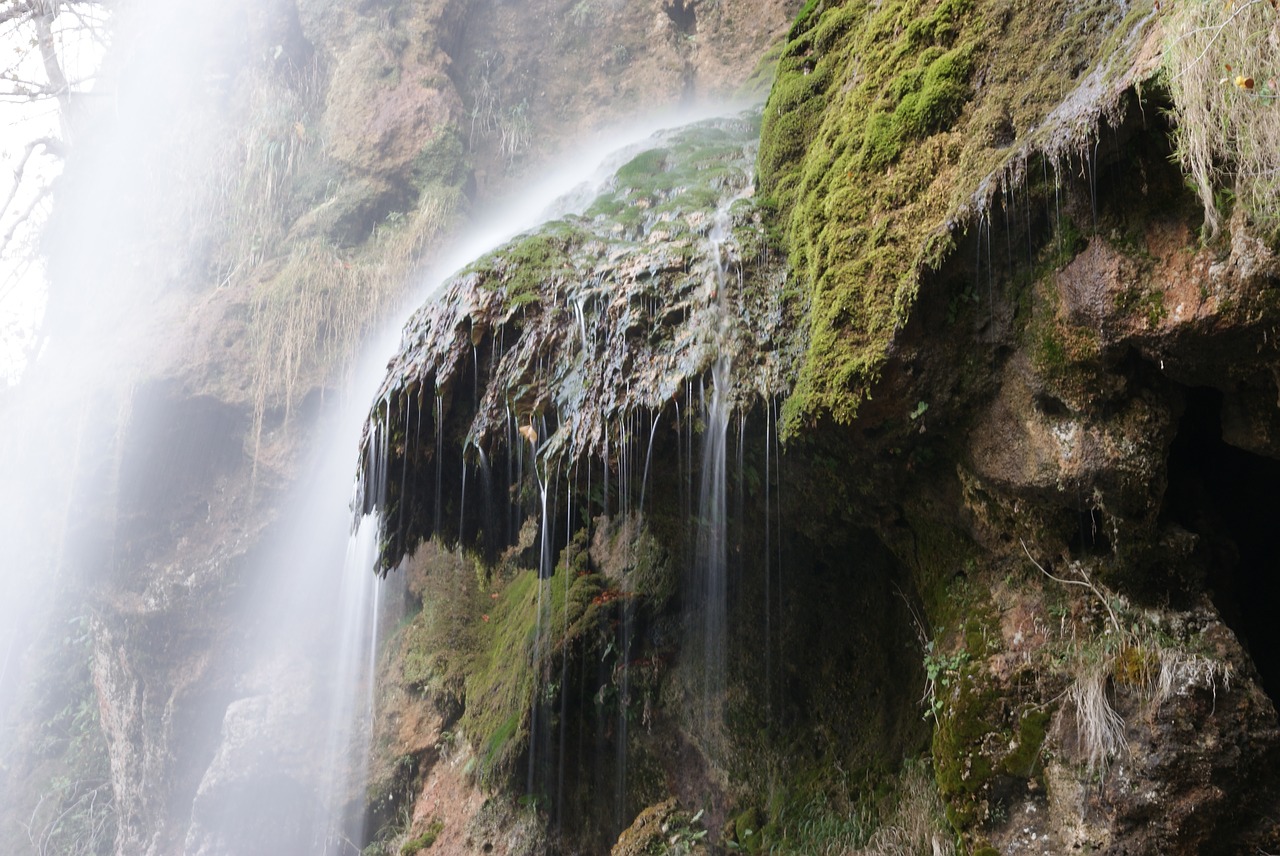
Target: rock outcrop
(1028,412)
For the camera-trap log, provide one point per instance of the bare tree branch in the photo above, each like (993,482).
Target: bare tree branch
(49,144)
(19,10)
(22,218)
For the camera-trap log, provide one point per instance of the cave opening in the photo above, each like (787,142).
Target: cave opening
(1228,497)
(682,14)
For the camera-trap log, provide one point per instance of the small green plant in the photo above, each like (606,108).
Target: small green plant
(940,671)
(423,841)
(683,837)
(582,13)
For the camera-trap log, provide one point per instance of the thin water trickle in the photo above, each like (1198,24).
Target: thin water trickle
(564,659)
(769,423)
(777,522)
(578,309)
(711,557)
(439,460)
(462,500)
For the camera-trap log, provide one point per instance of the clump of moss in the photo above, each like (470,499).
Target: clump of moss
(423,841)
(524,266)
(1024,759)
(643,167)
(531,623)
(442,163)
(963,769)
(436,642)
(875,137)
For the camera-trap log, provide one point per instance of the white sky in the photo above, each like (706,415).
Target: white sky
(22,281)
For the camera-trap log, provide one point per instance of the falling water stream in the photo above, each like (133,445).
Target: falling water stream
(711,565)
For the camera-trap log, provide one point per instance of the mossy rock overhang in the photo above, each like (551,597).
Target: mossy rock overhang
(896,131)
(549,348)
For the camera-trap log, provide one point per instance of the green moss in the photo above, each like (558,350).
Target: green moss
(761,78)
(942,557)
(1134,665)
(1067,355)
(743,832)
(873,141)
(963,769)
(423,841)
(500,684)
(817,810)
(522,267)
(437,641)
(442,163)
(1050,354)
(803,18)
(1024,759)
(509,656)
(643,167)
(940,97)
(1145,303)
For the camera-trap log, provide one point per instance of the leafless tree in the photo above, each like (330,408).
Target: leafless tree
(48,51)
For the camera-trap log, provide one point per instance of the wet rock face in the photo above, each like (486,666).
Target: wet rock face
(573,328)
(1091,678)
(1050,428)
(543,70)
(1114,576)
(259,791)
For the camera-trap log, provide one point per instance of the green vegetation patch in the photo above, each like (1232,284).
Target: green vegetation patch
(531,623)
(442,163)
(1222,71)
(963,769)
(423,841)
(690,175)
(875,136)
(829,812)
(523,267)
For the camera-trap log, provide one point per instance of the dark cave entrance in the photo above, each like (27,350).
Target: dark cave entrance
(682,14)
(1231,499)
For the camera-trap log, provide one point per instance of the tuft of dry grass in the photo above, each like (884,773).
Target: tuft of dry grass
(309,319)
(1099,729)
(310,300)
(916,825)
(1132,652)
(1223,66)
(1182,670)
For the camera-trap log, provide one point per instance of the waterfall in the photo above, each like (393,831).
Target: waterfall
(563,192)
(351,695)
(286,609)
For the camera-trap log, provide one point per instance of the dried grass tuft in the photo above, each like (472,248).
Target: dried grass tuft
(1223,74)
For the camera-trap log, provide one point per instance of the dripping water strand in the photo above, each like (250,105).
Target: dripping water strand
(564,658)
(644,481)
(781,612)
(712,544)
(439,462)
(768,576)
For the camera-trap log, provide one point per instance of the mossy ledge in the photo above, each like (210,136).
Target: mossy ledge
(890,128)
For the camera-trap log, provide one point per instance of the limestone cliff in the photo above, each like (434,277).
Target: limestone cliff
(990,393)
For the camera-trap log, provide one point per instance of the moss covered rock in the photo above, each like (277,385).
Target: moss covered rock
(882,132)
